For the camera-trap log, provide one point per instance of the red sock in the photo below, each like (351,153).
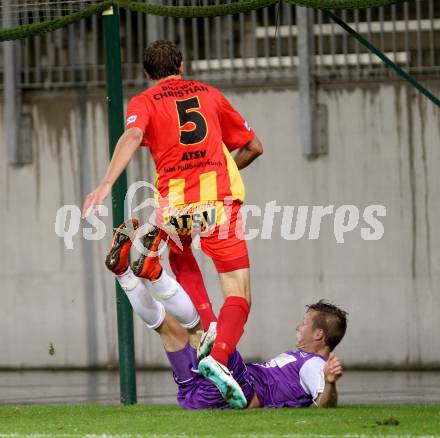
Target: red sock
(231,320)
(188,275)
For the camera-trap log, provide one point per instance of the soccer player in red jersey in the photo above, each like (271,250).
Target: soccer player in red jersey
(191,130)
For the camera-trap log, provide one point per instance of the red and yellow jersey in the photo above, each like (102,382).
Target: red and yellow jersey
(191,129)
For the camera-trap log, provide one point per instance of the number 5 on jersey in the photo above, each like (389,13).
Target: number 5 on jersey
(192,124)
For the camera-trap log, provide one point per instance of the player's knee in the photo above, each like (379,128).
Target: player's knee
(165,294)
(157,322)
(190,320)
(180,307)
(240,292)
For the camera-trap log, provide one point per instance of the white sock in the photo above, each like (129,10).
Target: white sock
(176,301)
(152,312)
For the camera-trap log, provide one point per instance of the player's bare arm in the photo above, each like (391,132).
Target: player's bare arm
(332,372)
(128,143)
(248,153)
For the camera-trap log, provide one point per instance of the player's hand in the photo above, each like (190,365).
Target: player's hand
(332,369)
(95,198)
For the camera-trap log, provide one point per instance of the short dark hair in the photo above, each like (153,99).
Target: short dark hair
(331,319)
(162,58)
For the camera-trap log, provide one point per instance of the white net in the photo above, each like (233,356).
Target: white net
(18,12)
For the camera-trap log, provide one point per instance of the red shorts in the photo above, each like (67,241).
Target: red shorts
(225,244)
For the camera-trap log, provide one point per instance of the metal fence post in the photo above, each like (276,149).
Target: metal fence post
(12,90)
(127,369)
(306,80)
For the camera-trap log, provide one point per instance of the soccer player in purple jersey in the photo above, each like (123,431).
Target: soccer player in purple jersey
(296,378)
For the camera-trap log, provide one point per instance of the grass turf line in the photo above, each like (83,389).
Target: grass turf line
(172,421)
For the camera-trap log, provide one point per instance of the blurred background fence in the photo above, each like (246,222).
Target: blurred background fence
(253,47)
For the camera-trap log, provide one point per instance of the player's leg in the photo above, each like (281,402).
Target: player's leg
(232,318)
(228,250)
(149,310)
(233,314)
(230,257)
(195,392)
(180,354)
(165,295)
(188,275)
(163,287)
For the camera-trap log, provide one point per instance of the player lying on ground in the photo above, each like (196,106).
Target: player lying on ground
(191,130)
(292,379)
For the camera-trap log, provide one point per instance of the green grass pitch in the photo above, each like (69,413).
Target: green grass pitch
(172,421)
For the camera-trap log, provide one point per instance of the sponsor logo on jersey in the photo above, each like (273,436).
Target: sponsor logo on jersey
(131,119)
(193,155)
(192,218)
(280,361)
